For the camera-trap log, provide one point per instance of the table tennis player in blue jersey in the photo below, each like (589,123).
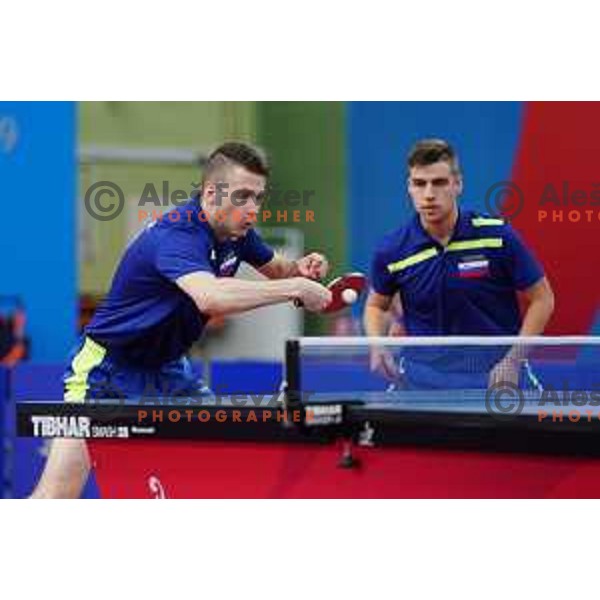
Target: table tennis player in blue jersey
(455,272)
(175,275)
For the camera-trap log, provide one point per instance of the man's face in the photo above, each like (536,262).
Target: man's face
(434,190)
(236,200)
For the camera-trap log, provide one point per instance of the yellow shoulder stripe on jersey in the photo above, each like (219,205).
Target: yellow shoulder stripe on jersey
(414,259)
(486,222)
(475,244)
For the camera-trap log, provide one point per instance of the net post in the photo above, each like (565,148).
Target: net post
(293,388)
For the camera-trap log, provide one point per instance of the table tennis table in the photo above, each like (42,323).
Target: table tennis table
(442,443)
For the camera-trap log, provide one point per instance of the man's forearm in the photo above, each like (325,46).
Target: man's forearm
(376,321)
(313,266)
(225,296)
(536,318)
(534,323)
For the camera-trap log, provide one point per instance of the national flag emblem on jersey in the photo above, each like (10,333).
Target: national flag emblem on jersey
(228,266)
(473,267)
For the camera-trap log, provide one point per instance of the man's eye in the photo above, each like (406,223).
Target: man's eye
(419,183)
(440,182)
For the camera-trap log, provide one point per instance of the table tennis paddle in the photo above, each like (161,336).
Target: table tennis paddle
(355,282)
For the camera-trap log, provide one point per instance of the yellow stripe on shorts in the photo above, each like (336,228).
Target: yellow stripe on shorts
(90,356)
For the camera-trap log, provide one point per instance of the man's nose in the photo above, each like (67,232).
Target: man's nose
(253,204)
(250,209)
(429,191)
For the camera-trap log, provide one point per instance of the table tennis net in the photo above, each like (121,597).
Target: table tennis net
(372,365)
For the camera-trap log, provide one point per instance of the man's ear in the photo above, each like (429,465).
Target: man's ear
(459,184)
(208,193)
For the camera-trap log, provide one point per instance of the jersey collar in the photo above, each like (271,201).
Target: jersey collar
(461,229)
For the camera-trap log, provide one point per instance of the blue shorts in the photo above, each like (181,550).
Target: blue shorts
(93,373)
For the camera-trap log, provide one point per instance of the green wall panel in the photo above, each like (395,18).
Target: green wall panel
(306,141)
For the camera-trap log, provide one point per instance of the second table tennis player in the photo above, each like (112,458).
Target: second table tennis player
(456,272)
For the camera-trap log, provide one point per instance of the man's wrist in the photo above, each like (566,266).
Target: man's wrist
(292,288)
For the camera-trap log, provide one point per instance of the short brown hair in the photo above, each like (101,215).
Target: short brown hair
(427,152)
(245,155)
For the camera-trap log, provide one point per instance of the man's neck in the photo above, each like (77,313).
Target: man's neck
(220,234)
(442,231)
(213,222)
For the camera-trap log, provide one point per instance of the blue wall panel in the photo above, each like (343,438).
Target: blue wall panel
(37,229)
(380,134)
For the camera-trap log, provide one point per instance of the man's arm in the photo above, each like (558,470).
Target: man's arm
(376,321)
(376,318)
(224,295)
(529,280)
(313,266)
(540,298)
(383,315)
(397,328)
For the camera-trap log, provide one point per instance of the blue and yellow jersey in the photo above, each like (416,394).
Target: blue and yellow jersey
(146,319)
(468,287)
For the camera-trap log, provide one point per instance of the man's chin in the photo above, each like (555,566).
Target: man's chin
(432,218)
(240,232)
